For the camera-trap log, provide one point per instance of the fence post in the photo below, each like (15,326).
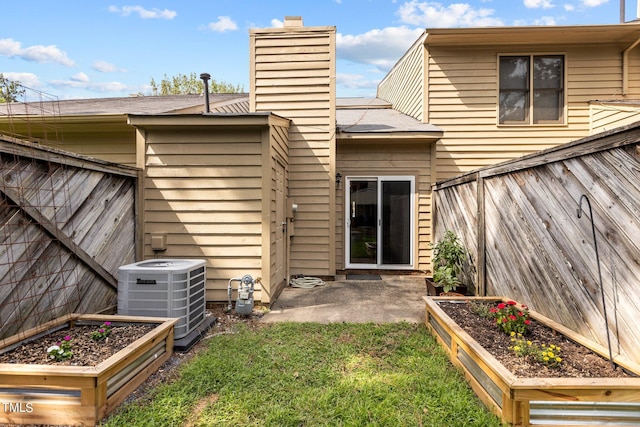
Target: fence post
(481,289)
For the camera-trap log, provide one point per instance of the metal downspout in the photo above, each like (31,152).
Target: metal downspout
(625,67)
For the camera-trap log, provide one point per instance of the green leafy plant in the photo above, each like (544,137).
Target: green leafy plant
(449,256)
(62,350)
(102,333)
(511,318)
(547,354)
(481,309)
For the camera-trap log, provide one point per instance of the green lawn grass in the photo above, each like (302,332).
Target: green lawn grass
(304,374)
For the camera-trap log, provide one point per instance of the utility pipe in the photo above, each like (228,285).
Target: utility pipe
(205,78)
(625,65)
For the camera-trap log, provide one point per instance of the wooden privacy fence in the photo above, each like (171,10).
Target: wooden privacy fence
(519,221)
(67,223)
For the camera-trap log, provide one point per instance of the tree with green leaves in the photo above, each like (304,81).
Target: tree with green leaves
(182,84)
(9,90)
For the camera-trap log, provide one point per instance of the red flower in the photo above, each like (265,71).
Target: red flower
(520,314)
(493,310)
(511,302)
(501,306)
(512,317)
(504,320)
(527,321)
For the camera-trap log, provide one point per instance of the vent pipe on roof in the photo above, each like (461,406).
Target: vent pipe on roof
(205,79)
(622,17)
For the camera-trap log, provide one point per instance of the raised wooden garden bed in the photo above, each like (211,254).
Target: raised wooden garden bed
(537,401)
(80,395)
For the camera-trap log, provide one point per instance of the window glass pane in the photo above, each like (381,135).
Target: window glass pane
(514,106)
(547,106)
(514,72)
(547,72)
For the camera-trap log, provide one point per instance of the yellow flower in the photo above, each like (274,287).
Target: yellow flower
(551,354)
(513,334)
(546,359)
(529,343)
(558,359)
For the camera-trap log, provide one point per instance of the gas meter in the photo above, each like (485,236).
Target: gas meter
(244,300)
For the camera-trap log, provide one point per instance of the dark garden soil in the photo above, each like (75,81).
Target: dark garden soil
(86,351)
(577,361)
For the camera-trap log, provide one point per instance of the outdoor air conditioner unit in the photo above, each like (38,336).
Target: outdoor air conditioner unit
(164,288)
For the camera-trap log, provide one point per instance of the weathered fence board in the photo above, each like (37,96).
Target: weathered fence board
(521,225)
(67,222)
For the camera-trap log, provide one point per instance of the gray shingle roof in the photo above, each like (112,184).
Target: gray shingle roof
(379,120)
(353,115)
(123,105)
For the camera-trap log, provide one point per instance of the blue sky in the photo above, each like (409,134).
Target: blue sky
(89,49)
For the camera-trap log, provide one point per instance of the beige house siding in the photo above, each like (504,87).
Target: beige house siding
(462,91)
(115,148)
(107,138)
(277,160)
(293,75)
(207,187)
(404,85)
(383,158)
(609,115)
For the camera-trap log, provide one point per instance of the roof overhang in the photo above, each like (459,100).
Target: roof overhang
(549,35)
(181,121)
(405,137)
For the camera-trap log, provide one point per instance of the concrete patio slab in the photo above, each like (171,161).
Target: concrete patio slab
(392,299)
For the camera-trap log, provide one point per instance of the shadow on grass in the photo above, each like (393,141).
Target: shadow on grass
(304,374)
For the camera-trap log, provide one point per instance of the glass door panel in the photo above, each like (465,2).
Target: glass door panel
(379,222)
(363,221)
(396,222)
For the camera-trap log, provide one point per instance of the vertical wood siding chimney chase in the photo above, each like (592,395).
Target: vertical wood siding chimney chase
(292,74)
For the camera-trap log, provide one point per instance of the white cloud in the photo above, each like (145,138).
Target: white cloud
(594,3)
(355,81)
(224,23)
(381,48)
(80,77)
(545,20)
(29,80)
(38,53)
(276,23)
(144,13)
(538,4)
(436,15)
(83,82)
(569,7)
(106,67)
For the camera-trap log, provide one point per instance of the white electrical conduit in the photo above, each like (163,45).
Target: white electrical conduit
(306,282)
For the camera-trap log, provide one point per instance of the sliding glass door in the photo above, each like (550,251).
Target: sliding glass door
(379,222)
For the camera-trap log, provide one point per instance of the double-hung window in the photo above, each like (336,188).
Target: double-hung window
(531,89)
